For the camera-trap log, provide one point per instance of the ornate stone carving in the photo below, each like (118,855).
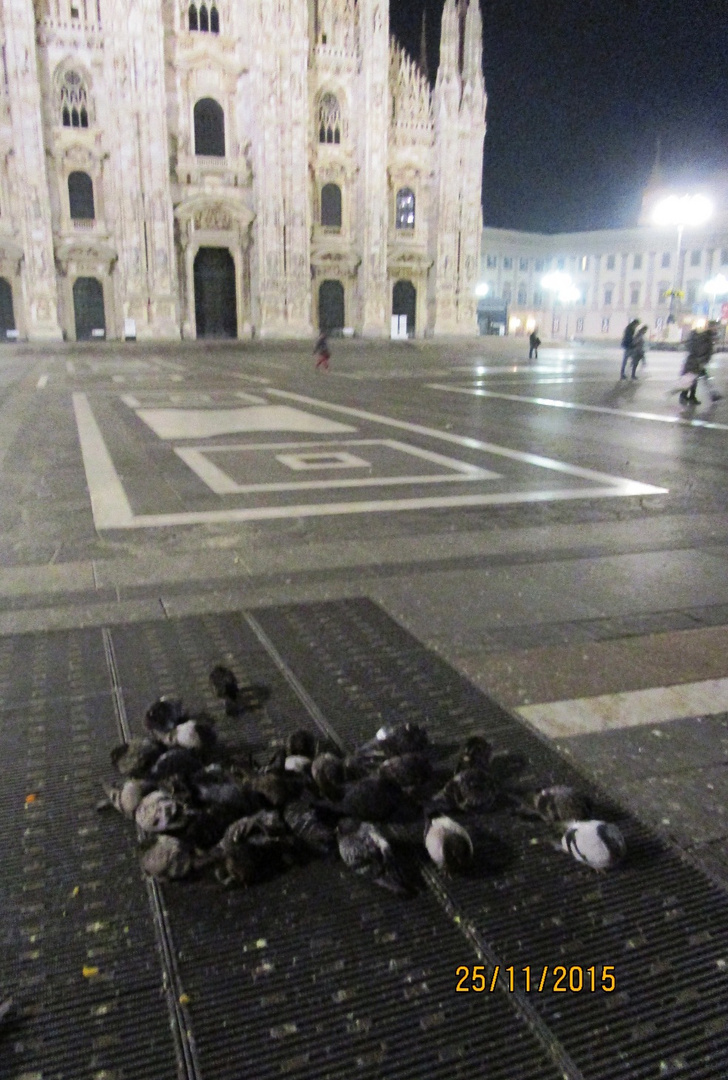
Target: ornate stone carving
(213,219)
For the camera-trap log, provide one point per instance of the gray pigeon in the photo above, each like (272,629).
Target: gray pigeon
(125,795)
(448,844)
(327,771)
(167,858)
(476,754)
(598,844)
(470,790)
(159,813)
(163,716)
(560,803)
(366,851)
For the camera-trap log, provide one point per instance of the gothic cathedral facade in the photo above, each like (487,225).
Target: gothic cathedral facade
(232,168)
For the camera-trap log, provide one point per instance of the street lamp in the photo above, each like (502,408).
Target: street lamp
(717,286)
(681,210)
(564,290)
(483,289)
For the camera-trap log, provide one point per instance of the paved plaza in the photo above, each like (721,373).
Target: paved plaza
(556,538)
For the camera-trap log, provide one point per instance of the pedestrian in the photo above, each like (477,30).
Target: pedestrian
(627,339)
(637,349)
(321,351)
(533,343)
(700,350)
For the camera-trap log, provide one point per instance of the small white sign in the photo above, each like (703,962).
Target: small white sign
(12,334)
(399,327)
(129,329)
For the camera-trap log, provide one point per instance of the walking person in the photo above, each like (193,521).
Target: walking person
(637,349)
(533,343)
(700,350)
(627,339)
(321,351)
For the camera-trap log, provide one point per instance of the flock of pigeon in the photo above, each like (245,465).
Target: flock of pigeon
(200,806)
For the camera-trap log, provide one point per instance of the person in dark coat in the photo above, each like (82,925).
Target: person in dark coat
(533,343)
(321,351)
(627,339)
(700,350)
(637,349)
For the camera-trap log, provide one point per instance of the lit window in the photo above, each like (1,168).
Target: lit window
(405,209)
(637,262)
(584,262)
(329,119)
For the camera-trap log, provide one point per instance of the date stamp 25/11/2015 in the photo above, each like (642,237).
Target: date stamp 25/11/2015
(539,980)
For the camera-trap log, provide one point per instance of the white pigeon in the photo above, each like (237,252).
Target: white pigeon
(448,844)
(598,844)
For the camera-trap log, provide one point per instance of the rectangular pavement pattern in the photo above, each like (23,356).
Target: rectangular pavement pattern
(318,974)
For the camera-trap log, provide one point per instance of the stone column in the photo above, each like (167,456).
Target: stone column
(28,173)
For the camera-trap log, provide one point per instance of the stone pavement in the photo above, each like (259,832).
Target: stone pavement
(557,538)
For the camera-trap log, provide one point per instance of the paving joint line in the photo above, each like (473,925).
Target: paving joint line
(188,1067)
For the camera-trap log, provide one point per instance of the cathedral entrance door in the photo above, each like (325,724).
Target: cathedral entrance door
(215,304)
(331,306)
(404,302)
(7,318)
(88,308)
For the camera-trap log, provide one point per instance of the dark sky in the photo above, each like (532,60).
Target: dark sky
(579,90)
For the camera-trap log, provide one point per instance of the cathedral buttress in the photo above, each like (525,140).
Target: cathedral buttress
(28,173)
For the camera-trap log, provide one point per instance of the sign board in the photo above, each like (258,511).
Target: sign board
(12,334)
(129,329)
(98,333)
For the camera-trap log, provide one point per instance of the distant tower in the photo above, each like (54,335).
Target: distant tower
(459,106)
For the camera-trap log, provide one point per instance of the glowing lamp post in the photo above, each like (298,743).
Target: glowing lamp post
(717,286)
(679,211)
(563,289)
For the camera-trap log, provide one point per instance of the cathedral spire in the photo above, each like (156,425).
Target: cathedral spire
(473,45)
(449,41)
(424,67)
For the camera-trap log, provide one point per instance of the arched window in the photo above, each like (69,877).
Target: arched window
(204,21)
(192,17)
(209,128)
(331,206)
(73,101)
(214,21)
(81,196)
(405,209)
(329,119)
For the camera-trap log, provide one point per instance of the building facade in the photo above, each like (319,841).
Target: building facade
(618,274)
(235,167)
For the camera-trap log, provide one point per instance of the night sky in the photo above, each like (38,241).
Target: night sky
(579,90)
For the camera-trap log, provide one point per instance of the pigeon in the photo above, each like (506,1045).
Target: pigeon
(158,813)
(301,744)
(404,738)
(476,754)
(411,771)
(163,716)
(136,757)
(328,774)
(255,848)
(448,844)
(366,851)
(471,789)
(224,682)
(176,762)
(193,735)
(505,766)
(297,763)
(559,803)
(598,844)
(167,858)
(125,795)
(375,798)
(307,825)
